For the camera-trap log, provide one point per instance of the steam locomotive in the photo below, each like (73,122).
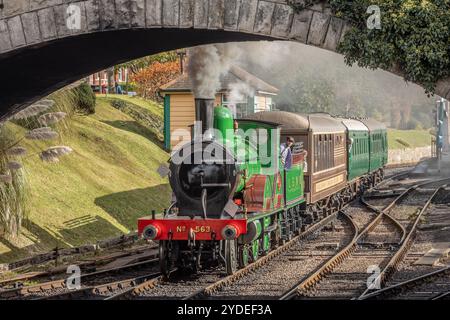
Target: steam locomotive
(234,199)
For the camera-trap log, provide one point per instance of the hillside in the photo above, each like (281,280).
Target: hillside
(100,189)
(401,139)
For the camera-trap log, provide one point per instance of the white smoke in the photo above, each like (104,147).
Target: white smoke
(239,91)
(207,64)
(204,69)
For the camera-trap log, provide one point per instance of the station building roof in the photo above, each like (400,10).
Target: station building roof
(235,75)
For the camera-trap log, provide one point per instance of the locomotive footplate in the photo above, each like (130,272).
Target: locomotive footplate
(185,228)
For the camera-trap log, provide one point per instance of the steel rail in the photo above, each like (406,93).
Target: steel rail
(310,280)
(101,290)
(209,290)
(383,213)
(441,296)
(217,286)
(406,242)
(408,284)
(61,283)
(139,288)
(88,265)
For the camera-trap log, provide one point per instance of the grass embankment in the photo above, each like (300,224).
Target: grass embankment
(405,139)
(100,189)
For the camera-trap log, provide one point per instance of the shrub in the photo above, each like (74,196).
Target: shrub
(118,104)
(151,78)
(64,101)
(85,98)
(13,193)
(141,115)
(129,87)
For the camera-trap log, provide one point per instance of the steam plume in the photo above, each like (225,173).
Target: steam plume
(207,64)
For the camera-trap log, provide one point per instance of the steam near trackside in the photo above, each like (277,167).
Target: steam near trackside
(207,64)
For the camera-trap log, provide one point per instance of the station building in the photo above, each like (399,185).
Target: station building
(242,92)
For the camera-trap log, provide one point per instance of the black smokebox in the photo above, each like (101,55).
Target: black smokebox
(204,113)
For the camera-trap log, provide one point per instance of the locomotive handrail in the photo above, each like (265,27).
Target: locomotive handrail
(170,209)
(213,185)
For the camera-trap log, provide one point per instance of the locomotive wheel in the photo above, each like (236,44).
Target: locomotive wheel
(244,256)
(255,250)
(167,256)
(231,263)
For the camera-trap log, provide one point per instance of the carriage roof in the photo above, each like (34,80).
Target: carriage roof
(373,124)
(318,122)
(354,125)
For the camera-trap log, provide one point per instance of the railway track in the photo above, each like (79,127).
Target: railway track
(334,273)
(96,285)
(423,280)
(426,286)
(205,284)
(442,296)
(60,271)
(271,281)
(409,212)
(211,283)
(106,291)
(59,288)
(376,242)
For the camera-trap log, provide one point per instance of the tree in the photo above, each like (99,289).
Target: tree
(151,78)
(135,66)
(414,38)
(306,93)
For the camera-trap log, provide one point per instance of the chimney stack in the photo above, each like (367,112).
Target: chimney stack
(204,112)
(181,54)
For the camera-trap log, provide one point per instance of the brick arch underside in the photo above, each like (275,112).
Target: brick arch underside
(34,72)
(39,54)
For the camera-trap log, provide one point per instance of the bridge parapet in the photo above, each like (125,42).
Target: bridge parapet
(29,22)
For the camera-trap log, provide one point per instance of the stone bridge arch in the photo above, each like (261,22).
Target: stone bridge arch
(40,53)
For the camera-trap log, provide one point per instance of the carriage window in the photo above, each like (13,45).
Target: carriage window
(324,145)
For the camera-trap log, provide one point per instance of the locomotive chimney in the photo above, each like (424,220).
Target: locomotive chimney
(204,113)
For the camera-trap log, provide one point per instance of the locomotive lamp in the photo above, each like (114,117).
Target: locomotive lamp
(229,232)
(151,232)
